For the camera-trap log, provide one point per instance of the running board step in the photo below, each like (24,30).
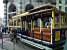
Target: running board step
(35,44)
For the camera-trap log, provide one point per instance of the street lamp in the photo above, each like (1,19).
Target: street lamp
(20,6)
(5,13)
(30,1)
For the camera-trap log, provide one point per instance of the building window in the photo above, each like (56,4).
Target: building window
(65,1)
(12,8)
(60,7)
(65,9)
(65,20)
(39,0)
(60,1)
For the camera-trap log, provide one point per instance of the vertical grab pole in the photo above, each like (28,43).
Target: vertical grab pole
(33,24)
(2,37)
(40,25)
(8,26)
(20,23)
(16,23)
(41,29)
(13,36)
(25,25)
(52,24)
(13,22)
(60,21)
(33,27)
(53,14)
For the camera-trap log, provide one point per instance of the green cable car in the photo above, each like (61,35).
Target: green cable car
(43,27)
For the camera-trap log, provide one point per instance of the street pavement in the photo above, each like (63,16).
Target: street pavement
(8,45)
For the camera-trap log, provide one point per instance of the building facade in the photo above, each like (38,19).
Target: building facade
(1,21)
(61,5)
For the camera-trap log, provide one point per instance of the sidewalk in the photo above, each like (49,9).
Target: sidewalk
(1,44)
(8,45)
(2,49)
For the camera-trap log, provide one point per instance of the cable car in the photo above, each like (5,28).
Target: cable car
(44,25)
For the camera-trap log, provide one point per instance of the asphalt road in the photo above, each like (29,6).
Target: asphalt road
(8,45)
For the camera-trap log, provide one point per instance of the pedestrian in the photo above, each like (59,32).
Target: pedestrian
(11,34)
(14,35)
(0,32)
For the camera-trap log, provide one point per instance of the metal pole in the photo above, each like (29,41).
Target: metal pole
(20,6)
(30,1)
(38,3)
(6,17)
(2,37)
(5,2)
(13,36)
(41,30)
(2,42)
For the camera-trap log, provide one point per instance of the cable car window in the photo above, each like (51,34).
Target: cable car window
(14,23)
(66,20)
(63,20)
(65,1)
(57,19)
(29,26)
(10,22)
(23,24)
(46,22)
(57,22)
(60,1)
(18,22)
(37,23)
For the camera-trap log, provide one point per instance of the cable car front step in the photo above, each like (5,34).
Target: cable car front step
(35,44)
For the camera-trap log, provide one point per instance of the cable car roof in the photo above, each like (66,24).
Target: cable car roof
(27,13)
(18,16)
(40,10)
(42,7)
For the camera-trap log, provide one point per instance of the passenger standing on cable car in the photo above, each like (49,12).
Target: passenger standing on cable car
(11,34)
(0,32)
(14,35)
